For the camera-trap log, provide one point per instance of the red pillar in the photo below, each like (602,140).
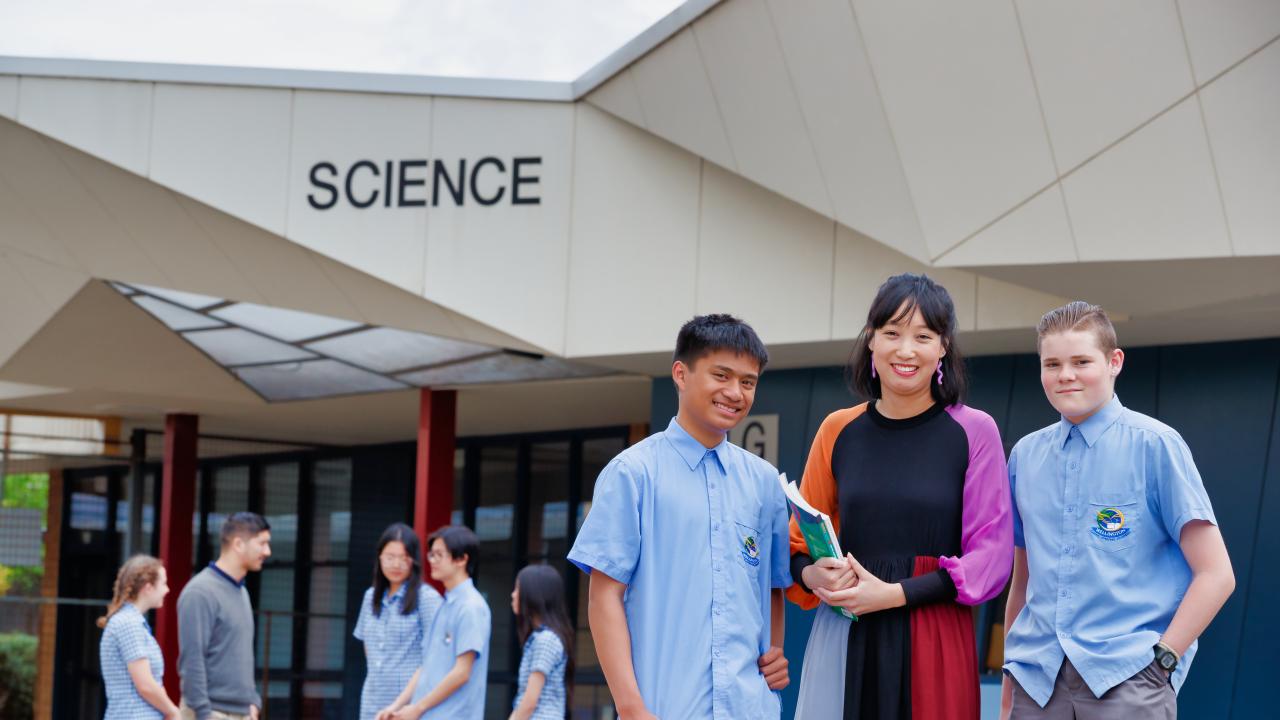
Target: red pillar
(177,504)
(433,490)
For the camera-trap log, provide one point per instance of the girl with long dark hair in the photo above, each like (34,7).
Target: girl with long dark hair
(545,689)
(916,487)
(132,666)
(394,616)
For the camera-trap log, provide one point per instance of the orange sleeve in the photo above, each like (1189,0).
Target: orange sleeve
(818,487)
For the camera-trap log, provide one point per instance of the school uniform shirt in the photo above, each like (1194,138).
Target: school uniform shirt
(544,653)
(461,625)
(393,644)
(126,638)
(696,534)
(1100,508)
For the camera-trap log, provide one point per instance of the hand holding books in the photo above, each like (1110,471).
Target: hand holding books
(824,545)
(867,595)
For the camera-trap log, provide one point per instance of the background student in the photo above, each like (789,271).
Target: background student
(394,616)
(451,683)
(544,683)
(132,666)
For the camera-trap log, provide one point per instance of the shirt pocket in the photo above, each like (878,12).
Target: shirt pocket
(1113,522)
(747,546)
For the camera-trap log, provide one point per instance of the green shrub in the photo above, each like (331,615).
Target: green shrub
(17,675)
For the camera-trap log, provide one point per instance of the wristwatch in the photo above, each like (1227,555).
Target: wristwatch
(1166,658)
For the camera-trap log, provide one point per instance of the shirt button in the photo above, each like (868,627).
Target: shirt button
(1063,593)
(1074,466)
(1071,509)
(715,526)
(713,486)
(1067,550)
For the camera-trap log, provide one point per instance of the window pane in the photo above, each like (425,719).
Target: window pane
(504,367)
(230,495)
(280,505)
(276,593)
(322,700)
(549,504)
(326,637)
(316,378)
(174,317)
(332,528)
(287,325)
(496,566)
(233,346)
(186,299)
(389,350)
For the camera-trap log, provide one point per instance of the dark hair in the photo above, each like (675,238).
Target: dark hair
(1079,315)
(401,533)
(896,299)
(542,600)
(708,333)
(459,541)
(243,525)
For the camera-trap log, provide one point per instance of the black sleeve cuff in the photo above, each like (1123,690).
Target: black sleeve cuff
(799,562)
(924,589)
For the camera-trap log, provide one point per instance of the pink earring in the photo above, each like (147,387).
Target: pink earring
(873,369)
(939,372)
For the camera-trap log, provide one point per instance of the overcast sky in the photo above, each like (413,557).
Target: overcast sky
(517,39)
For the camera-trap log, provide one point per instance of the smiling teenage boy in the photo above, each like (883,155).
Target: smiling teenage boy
(1118,563)
(686,544)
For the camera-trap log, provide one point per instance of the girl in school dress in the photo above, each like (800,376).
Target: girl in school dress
(544,689)
(132,666)
(394,616)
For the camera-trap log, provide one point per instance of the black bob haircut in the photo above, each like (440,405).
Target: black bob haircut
(242,525)
(706,334)
(403,534)
(896,300)
(459,541)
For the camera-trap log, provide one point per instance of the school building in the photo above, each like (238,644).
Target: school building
(343,299)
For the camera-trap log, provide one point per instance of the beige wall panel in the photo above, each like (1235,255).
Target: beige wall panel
(22,229)
(1242,110)
(1221,33)
(620,97)
(157,224)
(763,258)
(380,303)
(55,284)
(505,265)
(9,96)
(960,99)
(225,146)
(846,120)
(73,214)
(1033,234)
(677,100)
(862,265)
(633,257)
(1153,196)
(1003,306)
(750,79)
(1102,68)
(28,301)
(388,242)
(282,273)
(107,119)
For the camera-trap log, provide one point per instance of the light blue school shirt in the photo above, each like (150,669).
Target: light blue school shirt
(126,638)
(1100,507)
(461,625)
(699,537)
(392,644)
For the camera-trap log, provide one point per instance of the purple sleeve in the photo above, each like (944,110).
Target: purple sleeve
(986,536)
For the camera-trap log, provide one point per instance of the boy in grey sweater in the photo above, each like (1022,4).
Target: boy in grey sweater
(215,627)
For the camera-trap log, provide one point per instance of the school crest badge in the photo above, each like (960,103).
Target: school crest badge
(1110,524)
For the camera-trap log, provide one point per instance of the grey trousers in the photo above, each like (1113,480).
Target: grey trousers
(1148,695)
(189,714)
